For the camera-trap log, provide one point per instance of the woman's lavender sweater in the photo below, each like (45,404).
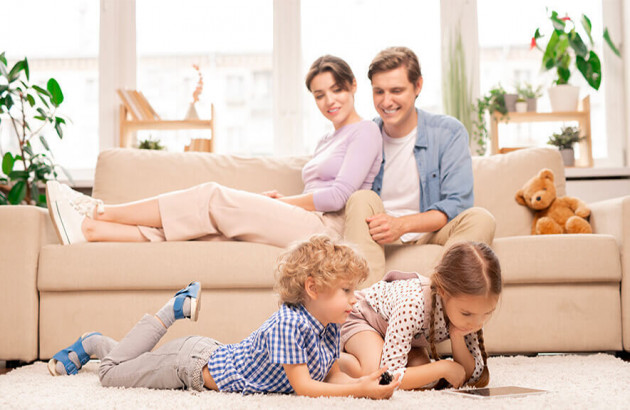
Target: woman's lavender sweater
(344,161)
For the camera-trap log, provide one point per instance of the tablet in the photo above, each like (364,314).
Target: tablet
(490,392)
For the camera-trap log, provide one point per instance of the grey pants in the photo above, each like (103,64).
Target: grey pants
(175,365)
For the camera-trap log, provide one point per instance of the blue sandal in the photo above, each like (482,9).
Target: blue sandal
(62,356)
(193,291)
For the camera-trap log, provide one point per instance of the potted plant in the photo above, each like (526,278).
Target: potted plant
(30,112)
(521,104)
(150,143)
(493,101)
(530,94)
(565,51)
(565,140)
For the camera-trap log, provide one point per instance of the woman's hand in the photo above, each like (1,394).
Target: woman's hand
(370,387)
(453,372)
(273,194)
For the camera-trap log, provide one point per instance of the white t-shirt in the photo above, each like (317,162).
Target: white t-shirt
(401,183)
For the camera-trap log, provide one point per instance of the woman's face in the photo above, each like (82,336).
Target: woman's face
(335,103)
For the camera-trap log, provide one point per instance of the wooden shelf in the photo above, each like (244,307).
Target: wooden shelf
(137,114)
(582,117)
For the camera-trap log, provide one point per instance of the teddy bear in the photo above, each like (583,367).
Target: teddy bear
(553,214)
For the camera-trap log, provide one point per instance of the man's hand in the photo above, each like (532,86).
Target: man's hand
(273,194)
(385,228)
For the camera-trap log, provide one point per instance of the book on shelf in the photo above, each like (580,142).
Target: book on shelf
(130,104)
(137,105)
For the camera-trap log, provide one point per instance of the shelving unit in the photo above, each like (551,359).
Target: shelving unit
(144,117)
(582,117)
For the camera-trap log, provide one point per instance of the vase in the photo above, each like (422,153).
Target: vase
(532,104)
(521,106)
(564,98)
(191,114)
(568,156)
(510,102)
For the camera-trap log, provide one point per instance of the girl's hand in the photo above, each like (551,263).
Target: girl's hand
(370,387)
(273,194)
(454,373)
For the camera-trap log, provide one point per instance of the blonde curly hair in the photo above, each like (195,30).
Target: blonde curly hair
(326,261)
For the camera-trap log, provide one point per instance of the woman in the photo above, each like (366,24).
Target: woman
(344,161)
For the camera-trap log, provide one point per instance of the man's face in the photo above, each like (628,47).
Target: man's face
(394,98)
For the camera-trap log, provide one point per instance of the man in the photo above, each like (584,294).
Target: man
(425,183)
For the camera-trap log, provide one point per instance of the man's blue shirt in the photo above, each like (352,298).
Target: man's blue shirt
(444,164)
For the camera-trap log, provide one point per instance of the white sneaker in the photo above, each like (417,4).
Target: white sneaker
(66,218)
(84,204)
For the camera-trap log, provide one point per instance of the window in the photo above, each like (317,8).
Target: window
(62,43)
(232,44)
(356,30)
(505,31)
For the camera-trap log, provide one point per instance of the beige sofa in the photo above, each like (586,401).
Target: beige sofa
(562,292)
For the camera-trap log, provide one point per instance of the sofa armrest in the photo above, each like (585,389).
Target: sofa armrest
(23,231)
(612,217)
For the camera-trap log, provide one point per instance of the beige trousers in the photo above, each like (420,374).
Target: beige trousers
(211,211)
(473,224)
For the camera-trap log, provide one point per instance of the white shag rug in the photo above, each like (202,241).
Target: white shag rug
(573,381)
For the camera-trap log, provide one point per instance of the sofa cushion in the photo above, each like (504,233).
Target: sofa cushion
(155,266)
(124,174)
(559,259)
(498,177)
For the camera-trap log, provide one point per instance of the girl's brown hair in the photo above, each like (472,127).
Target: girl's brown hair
(321,258)
(340,70)
(467,268)
(393,57)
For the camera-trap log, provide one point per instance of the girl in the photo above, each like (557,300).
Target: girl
(395,320)
(294,351)
(344,161)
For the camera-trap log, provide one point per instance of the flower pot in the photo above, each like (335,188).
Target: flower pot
(564,98)
(521,106)
(532,104)
(191,114)
(568,157)
(510,102)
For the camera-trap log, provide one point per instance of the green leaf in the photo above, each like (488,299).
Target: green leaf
(59,130)
(3,59)
(55,92)
(586,24)
(60,120)
(41,90)
(44,142)
(26,70)
(3,69)
(3,199)
(3,88)
(43,101)
(8,102)
(7,163)
(610,43)
(17,193)
(14,175)
(39,117)
(577,44)
(557,23)
(28,149)
(14,74)
(42,201)
(30,99)
(41,111)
